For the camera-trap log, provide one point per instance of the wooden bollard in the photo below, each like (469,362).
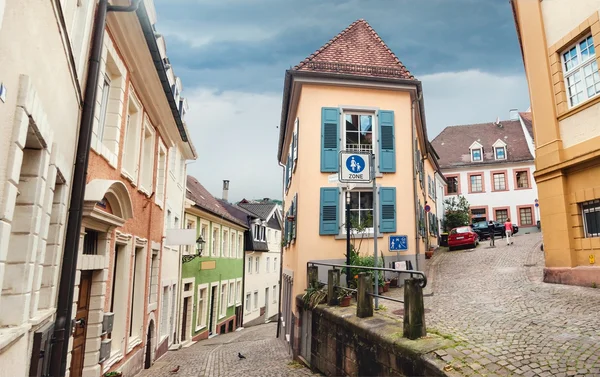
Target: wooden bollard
(313,277)
(364,301)
(333,280)
(414,310)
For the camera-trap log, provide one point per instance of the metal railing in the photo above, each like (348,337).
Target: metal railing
(423,279)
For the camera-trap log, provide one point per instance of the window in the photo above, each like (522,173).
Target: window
(215,239)
(240,246)
(161,171)
(522,178)
(131,143)
(268,264)
(500,153)
(231,293)
(499,181)
(103,107)
(169,219)
(274,264)
(256,231)
(232,246)
(581,71)
(90,242)
(249,265)
(147,159)
(255,300)
(176,224)
(257,265)
(526,216)
(358,133)
(476,154)
(202,306)
(274,294)
(172,160)
(501,215)
(248,308)
(238,291)
(478,214)
(182,170)
(164,311)
(225,243)
(452,185)
(361,208)
(591,218)
(223,301)
(268,234)
(153,296)
(137,289)
(476,183)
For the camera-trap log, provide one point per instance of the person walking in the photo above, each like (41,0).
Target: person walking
(491,229)
(508,228)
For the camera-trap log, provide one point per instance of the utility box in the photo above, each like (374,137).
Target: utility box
(105,350)
(107,322)
(444,239)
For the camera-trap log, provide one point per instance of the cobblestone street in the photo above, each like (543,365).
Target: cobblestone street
(265,357)
(508,322)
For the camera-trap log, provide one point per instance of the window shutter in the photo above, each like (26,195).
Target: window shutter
(387,209)
(330,139)
(285,230)
(295,214)
(287,174)
(328,216)
(296,128)
(387,150)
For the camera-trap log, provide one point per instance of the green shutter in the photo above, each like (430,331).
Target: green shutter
(329,214)
(387,209)
(330,139)
(387,142)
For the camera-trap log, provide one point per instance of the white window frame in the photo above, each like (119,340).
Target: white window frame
(359,112)
(104,103)
(231,293)
(238,292)
(161,179)
(223,300)
(257,265)
(147,167)
(342,204)
(225,242)
(596,208)
(582,64)
(201,316)
(256,300)
(473,154)
(131,143)
(240,250)
(250,265)
(248,306)
(275,264)
(172,162)
(274,294)
(232,250)
(268,264)
(215,251)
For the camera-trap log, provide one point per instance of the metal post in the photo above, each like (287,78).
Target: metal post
(375,228)
(348,230)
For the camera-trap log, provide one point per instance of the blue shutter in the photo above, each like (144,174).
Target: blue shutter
(287,174)
(328,215)
(330,139)
(387,150)
(295,214)
(387,209)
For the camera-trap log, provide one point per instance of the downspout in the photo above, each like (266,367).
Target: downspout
(281,261)
(425,202)
(66,289)
(416,201)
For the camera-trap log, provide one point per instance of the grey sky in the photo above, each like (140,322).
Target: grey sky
(232,55)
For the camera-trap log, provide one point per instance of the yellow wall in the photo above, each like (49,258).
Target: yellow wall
(308,179)
(567,138)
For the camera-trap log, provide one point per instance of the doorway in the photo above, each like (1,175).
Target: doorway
(148,360)
(213,295)
(81,317)
(184,319)
(266,304)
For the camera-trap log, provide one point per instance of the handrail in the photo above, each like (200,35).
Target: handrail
(423,279)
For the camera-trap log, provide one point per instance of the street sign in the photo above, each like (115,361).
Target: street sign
(537,204)
(427,208)
(333,178)
(398,243)
(355,167)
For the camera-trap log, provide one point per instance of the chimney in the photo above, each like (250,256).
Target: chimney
(513,114)
(225,190)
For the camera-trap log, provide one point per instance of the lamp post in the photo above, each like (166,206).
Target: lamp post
(188,258)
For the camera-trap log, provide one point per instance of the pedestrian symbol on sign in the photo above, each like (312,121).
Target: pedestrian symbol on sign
(355,164)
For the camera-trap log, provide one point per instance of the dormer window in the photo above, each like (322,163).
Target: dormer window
(476,151)
(499,150)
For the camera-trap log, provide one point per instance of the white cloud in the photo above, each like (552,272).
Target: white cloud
(454,98)
(236,138)
(201,35)
(236,134)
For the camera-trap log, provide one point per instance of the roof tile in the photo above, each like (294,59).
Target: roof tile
(203,199)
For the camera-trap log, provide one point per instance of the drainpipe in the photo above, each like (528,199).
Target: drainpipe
(415,182)
(66,289)
(281,258)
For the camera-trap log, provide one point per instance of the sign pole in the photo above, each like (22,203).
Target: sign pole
(348,229)
(375,228)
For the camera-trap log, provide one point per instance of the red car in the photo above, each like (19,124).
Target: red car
(462,236)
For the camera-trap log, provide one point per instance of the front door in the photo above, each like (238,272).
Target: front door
(81,317)
(184,319)
(213,295)
(266,304)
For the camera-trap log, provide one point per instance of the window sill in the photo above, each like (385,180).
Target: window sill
(112,360)
(476,192)
(342,236)
(133,342)
(231,304)
(125,174)
(200,328)
(10,335)
(41,316)
(579,107)
(522,188)
(505,190)
(152,307)
(144,191)
(221,316)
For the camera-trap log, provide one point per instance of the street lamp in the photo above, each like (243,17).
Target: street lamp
(188,258)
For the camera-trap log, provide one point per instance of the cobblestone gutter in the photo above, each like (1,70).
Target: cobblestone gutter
(345,345)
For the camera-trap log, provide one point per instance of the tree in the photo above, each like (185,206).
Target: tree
(457,212)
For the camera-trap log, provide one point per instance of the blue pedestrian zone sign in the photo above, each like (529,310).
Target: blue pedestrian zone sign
(355,167)
(398,243)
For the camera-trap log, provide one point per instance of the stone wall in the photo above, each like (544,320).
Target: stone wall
(344,345)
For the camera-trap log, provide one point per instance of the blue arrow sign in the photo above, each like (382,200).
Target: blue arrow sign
(398,243)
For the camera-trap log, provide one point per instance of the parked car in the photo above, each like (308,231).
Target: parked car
(482,230)
(462,236)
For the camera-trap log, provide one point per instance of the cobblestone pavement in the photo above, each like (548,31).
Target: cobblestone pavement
(507,321)
(218,357)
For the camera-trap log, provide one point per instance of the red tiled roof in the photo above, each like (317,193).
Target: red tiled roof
(204,200)
(452,144)
(528,121)
(357,50)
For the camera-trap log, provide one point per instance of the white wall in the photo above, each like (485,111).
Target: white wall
(439,204)
(489,199)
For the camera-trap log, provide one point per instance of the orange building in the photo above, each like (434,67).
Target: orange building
(352,94)
(559,40)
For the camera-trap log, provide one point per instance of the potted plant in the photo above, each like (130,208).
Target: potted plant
(429,253)
(394,282)
(313,297)
(386,285)
(113,374)
(344,297)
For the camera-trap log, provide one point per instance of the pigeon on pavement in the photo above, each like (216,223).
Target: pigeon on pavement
(173,371)
(241,356)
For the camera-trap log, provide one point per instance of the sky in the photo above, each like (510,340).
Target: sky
(231,56)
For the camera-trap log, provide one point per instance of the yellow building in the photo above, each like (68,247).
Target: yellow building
(352,94)
(559,39)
